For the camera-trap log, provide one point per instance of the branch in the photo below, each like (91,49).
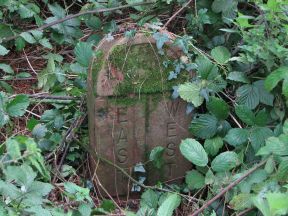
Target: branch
(229,187)
(72,16)
(175,14)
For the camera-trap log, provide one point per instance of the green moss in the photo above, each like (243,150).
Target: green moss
(96,67)
(142,68)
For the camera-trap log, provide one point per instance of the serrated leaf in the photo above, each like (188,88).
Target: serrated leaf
(238,77)
(194,180)
(275,145)
(209,177)
(190,92)
(236,136)
(225,161)
(20,43)
(6,68)
(241,201)
(213,145)
(278,203)
(258,135)
(282,172)
(169,205)
(156,156)
(45,42)
(218,107)
(270,165)
(221,54)
(27,36)
(94,23)
(275,77)
(17,107)
(265,97)
(248,95)
(3,50)
(161,39)
(194,152)
(204,126)
(149,199)
(245,114)
(13,149)
(83,52)
(39,131)
(222,5)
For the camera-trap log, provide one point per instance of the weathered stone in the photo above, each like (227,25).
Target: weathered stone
(130,112)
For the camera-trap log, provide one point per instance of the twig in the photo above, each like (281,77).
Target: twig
(29,63)
(53,97)
(245,211)
(69,136)
(226,189)
(175,14)
(72,16)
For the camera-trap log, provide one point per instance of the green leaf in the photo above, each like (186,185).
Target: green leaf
(13,148)
(209,177)
(6,68)
(248,95)
(20,43)
(236,136)
(258,135)
(213,145)
(282,172)
(3,50)
(275,77)
(169,205)
(83,53)
(285,127)
(238,77)
(275,145)
(190,92)
(194,152)
(278,203)
(45,43)
(28,37)
(241,201)
(265,97)
(156,156)
(221,54)
(39,131)
(218,107)
(149,199)
(222,5)
(245,115)
(194,180)
(225,161)
(17,107)
(94,23)
(262,205)
(204,126)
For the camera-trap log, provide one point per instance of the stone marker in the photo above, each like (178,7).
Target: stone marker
(131,112)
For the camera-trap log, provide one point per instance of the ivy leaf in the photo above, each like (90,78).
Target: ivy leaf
(156,156)
(248,95)
(161,39)
(218,107)
(204,126)
(213,145)
(194,180)
(221,54)
(83,52)
(190,92)
(169,205)
(17,107)
(236,136)
(3,50)
(238,77)
(245,115)
(194,152)
(225,161)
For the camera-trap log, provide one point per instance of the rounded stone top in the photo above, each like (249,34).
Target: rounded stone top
(126,66)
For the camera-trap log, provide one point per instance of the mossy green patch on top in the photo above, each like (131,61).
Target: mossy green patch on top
(96,67)
(142,68)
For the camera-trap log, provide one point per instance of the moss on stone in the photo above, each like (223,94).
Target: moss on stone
(97,65)
(143,69)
